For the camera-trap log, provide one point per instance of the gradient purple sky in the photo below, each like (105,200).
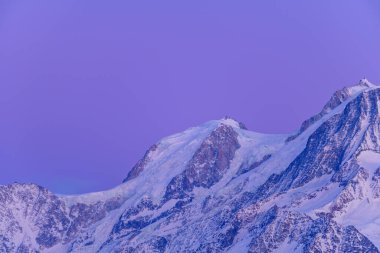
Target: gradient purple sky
(87,86)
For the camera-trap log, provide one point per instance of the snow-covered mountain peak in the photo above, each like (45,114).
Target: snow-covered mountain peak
(232,122)
(218,187)
(339,99)
(365,83)
(186,141)
(351,91)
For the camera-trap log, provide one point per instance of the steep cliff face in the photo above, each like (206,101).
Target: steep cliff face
(208,164)
(221,188)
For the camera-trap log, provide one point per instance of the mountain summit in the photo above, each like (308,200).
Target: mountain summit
(221,188)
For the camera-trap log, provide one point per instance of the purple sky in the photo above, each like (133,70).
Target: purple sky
(87,86)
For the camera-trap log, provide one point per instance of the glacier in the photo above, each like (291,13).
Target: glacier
(219,187)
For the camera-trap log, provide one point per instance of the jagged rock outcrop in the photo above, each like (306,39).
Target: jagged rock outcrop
(208,164)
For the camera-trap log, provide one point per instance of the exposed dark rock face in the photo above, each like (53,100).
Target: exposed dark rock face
(337,98)
(157,245)
(139,167)
(320,235)
(54,222)
(244,168)
(208,164)
(330,145)
(44,209)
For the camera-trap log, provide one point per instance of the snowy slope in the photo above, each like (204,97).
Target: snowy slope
(221,188)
